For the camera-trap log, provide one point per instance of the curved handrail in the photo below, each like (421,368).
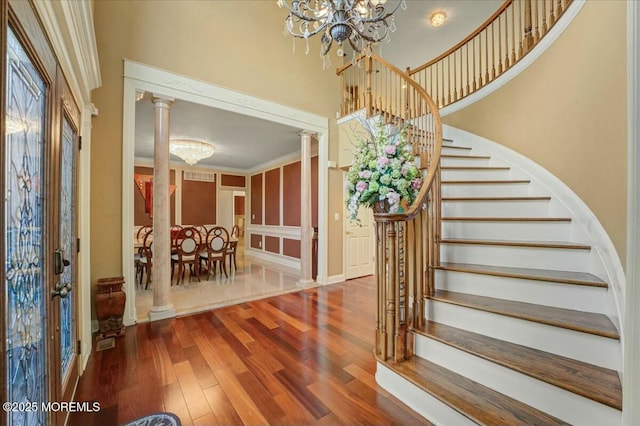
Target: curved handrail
(407,242)
(463,41)
(489,51)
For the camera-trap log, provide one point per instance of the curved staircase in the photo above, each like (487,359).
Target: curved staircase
(516,331)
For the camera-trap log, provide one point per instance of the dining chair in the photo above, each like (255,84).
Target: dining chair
(146,258)
(187,244)
(202,230)
(217,241)
(137,255)
(233,246)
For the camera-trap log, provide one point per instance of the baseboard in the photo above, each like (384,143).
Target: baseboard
(285,261)
(334,279)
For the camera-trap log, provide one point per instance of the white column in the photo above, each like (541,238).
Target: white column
(161,271)
(306,229)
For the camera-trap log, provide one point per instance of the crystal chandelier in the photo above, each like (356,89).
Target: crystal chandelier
(361,22)
(191,151)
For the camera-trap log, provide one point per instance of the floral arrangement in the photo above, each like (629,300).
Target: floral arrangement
(383,169)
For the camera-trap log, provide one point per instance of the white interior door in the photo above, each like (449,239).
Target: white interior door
(225,209)
(359,245)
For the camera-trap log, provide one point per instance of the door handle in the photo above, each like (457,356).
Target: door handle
(61,289)
(59,262)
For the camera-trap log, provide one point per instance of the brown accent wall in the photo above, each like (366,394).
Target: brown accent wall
(272,244)
(140,217)
(256,241)
(291,194)
(198,202)
(256,199)
(291,248)
(238,205)
(272,197)
(233,180)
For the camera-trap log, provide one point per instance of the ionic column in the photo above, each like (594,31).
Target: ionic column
(306,229)
(161,269)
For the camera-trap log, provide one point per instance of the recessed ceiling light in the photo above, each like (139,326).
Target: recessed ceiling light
(437,18)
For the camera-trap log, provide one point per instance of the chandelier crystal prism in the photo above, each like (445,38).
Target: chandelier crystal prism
(191,151)
(360,22)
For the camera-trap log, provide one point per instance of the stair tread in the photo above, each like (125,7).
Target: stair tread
(586,322)
(515,243)
(475,157)
(590,381)
(507,219)
(468,148)
(475,168)
(473,400)
(527,273)
(496,198)
(485,182)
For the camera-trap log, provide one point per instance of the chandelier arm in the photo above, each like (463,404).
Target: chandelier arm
(310,33)
(298,14)
(380,17)
(372,39)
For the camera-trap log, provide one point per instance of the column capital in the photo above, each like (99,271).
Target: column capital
(307,133)
(162,99)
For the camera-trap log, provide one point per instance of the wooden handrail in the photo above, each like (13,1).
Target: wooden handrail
(407,242)
(464,41)
(489,51)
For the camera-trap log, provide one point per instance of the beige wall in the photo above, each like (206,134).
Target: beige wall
(235,44)
(567,112)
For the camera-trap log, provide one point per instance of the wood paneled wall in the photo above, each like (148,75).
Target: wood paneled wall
(256,199)
(272,197)
(198,202)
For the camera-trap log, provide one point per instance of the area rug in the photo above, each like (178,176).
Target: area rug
(156,419)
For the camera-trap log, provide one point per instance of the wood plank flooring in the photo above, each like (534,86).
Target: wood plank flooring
(299,358)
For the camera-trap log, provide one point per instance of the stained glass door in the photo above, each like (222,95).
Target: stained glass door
(25,290)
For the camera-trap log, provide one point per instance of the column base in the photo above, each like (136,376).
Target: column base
(162,312)
(305,283)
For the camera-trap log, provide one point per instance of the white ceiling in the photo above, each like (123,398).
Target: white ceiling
(243,143)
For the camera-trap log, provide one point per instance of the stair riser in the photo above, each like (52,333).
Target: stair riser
(558,402)
(485,190)
(475,174)
(518,231)
(446,150)
(420,401)
(567,296)
(519,257)
(584,347)
(535,208)
(469,162)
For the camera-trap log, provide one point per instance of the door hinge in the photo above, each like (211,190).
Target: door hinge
(79,143)
(79,347)
(78,245)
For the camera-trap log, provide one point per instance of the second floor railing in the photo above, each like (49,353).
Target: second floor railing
(498,44)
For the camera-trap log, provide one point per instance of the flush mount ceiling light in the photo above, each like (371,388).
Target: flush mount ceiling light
(360,22)
(191,151)
(438,18)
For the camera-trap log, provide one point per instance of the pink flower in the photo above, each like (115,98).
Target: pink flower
(416,183)
(383,161)
(365,174)
(390,149)
(361,186)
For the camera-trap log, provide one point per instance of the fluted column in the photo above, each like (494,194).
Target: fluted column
(306,229)
(161,269)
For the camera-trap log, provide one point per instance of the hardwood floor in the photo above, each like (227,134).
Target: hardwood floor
(299,358)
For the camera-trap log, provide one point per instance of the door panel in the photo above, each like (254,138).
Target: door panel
(67,279)
(359,248)
(25,292)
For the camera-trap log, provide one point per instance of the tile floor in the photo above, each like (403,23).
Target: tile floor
(253,280)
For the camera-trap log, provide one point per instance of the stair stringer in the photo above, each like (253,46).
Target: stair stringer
(586,228)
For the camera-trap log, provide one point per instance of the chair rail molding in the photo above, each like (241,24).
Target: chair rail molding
(139,77)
